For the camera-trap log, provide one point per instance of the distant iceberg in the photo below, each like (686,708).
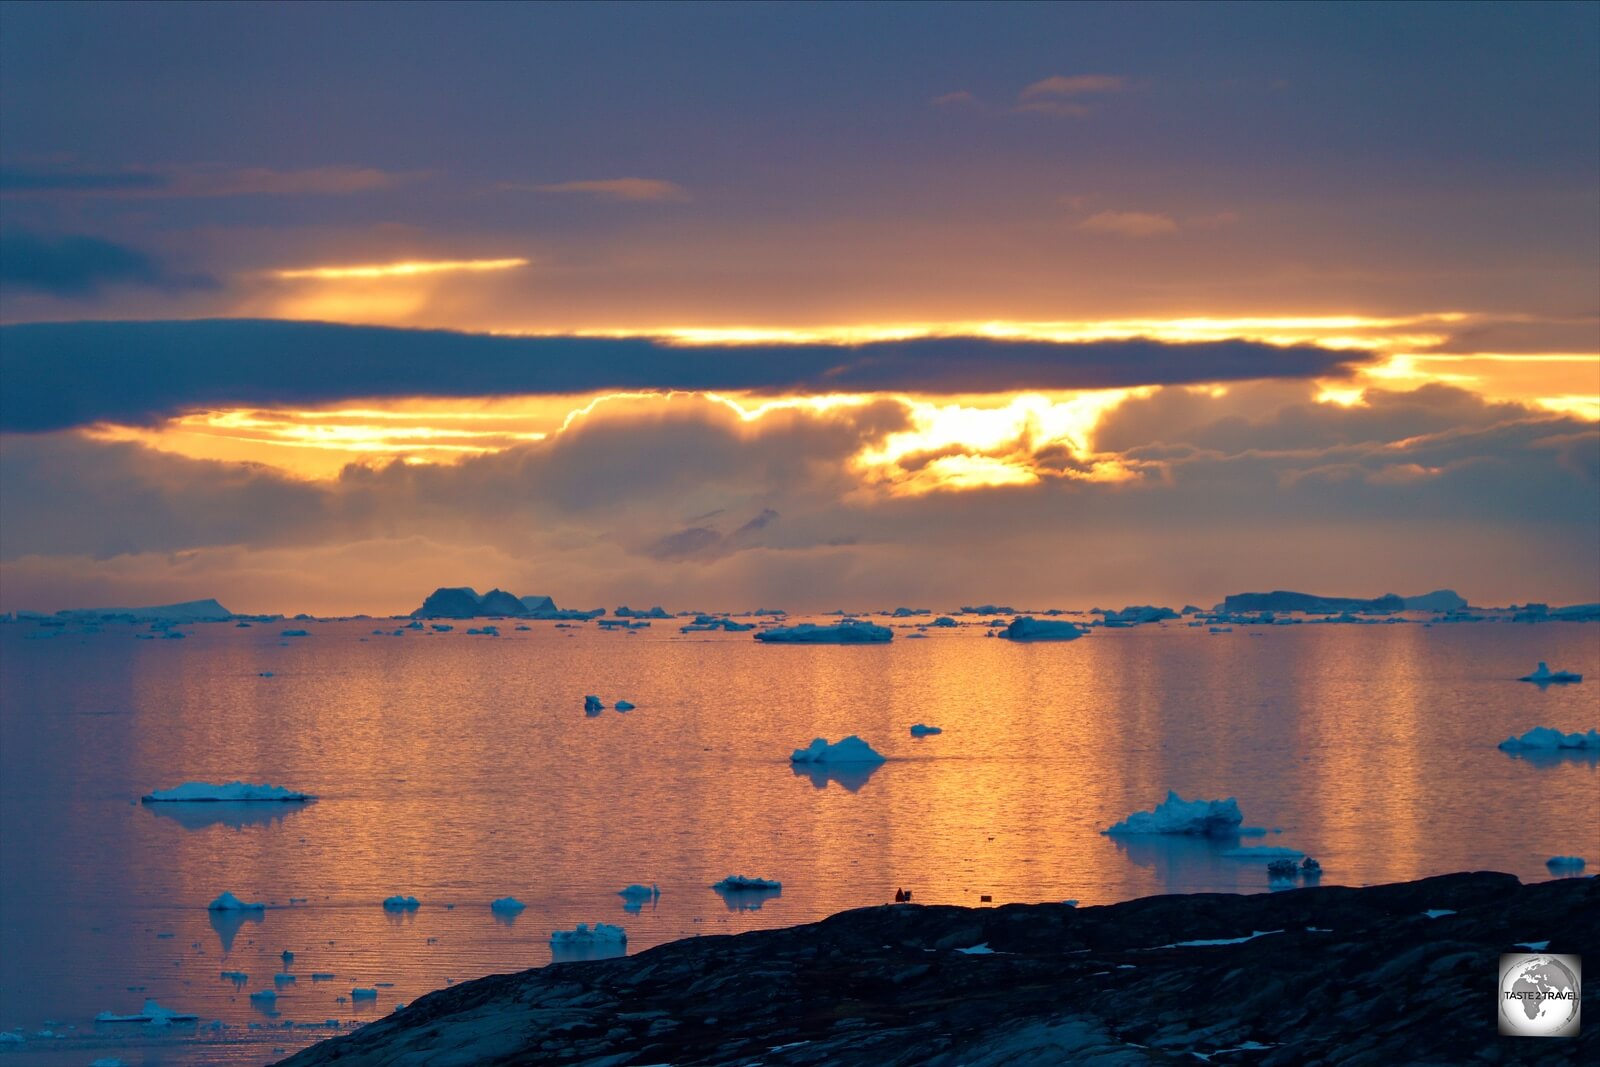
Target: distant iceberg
(229,902)
(1545,739)
(188,611)
(208,792)
(919,730)
(624,705)
(1543,675)
(592,704)
(639,892)
(1027,628)
(848,750)
(507,905)
(1211,818)
(400,903)
(843,632)
(150,1013)
(294,633)
(583,934)
(1566,863)
(738,883)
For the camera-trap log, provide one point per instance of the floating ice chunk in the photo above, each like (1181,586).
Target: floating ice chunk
(150,1013)
(1264,852)
(295,633)
(843,632)
(264,995)
(640,892)
(739,883)
(1070,903)
(11,1037)
(1533,946)
(1214,818)
(1438,913)
(108,1061)
(363,994)
(849,750)
(1566,863)
(1543,675)
(920,730)
(200,792)
(980,949)
(229,902)
(583,934)
(1546,739)
(592,704)
(508,905)
(1027,628)
(283,979)
(236,977)
(322,976)
(623,705)
(400,903)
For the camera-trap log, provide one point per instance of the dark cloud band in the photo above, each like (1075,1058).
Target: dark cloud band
(68,374)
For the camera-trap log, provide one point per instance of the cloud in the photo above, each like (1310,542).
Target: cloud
(197,181)
(408,269)
(1060,94)
(958,98)
(634,189)
(76,267)
(1129,223)
(68,374)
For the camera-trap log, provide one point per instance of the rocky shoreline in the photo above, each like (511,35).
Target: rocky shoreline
(1325,975)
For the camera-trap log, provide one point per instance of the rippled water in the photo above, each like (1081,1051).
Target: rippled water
(460,769)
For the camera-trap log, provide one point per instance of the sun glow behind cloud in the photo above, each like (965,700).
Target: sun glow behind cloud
(406,269)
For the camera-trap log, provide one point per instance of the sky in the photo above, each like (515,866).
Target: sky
(317,307)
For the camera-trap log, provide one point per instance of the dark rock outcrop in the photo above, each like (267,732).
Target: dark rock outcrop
(1332,975)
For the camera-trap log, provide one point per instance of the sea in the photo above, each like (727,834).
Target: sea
(462,768)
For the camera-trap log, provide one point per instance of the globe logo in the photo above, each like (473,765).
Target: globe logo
(1539,995)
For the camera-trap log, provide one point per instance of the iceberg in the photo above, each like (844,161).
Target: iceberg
(208,792)
(229,902)
(507,905)
(400,903)
(919,730)
(843,632)
(623,705)
(849,750)
(1543,675)
(657,612)
(1211,818)
(583,934)
(150,1013)
(738,883)
(639,893)
(592,705)
(1566,863)
(363,994)
(1543,738)
(1027,628)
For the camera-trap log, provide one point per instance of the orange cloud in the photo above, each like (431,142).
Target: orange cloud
(634,189)
(405,269)
(1129,223)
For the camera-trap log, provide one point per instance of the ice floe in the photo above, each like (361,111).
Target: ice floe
(507,905)
(623,705)
(229,902)
(848,750)
(1543,675)
(229,792)
(1545,738)
(1438,913)
(843,632)
(361,993)
(919,730)
(1212,818)
(1566,863)
(1028,628)
(150,1013)
(400,903)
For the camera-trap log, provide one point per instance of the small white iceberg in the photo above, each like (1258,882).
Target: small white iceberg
(1175,815)
(150,1013)
(1543,675)
(843,632)
(640,893)
(1566,863)
(849,750)
(738,883)
(1543,738)
(230,792)
(1028,628)
(507,905)
(919,730)
(400,903)
(584,934)
(229,902)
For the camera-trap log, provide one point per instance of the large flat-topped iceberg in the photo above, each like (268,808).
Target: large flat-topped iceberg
(231,792)
(1028,628)
(1545,739)
(151,1013)
(843,632)
(848,750)
(189,611)
(1175,815)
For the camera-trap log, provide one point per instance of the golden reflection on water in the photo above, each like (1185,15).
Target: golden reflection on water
(460,769)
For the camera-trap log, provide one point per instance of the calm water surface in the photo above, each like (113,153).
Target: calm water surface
(459,769)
